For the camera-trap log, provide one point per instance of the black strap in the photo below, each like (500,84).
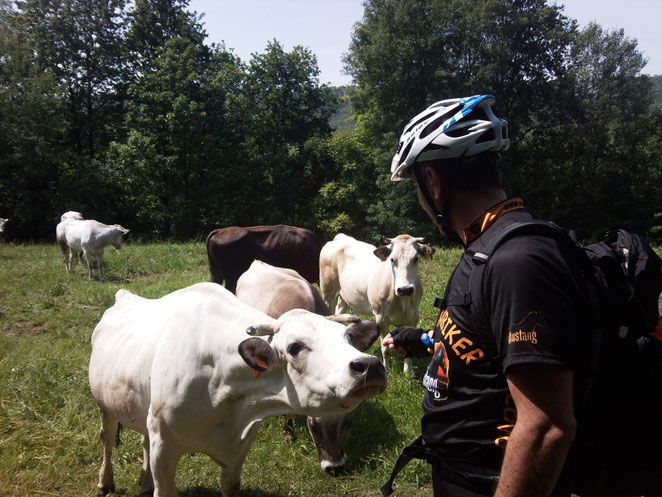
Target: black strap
(416,450)
(480,259)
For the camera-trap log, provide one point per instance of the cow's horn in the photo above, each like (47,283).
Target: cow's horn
(260,330)
(344,318)
(419,239)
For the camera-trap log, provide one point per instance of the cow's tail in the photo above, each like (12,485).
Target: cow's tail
(215,271)
(117,437)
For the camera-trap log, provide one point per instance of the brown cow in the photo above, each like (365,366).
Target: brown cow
(232,250)
(274,291)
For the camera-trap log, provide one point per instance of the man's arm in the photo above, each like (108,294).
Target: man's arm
(544,430)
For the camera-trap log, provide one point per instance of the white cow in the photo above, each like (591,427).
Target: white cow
(3,221)
(274,291)
(182,371)
(59,235)
(89,237)
(383,281)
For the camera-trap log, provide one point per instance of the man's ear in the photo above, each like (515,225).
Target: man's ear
(434,182)
(382,252)
(257,353)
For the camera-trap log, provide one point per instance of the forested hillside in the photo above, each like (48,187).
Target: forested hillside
(122,111)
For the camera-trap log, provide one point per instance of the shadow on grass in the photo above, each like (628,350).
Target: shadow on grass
(213,492)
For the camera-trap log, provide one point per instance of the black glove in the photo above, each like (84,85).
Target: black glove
(409,338)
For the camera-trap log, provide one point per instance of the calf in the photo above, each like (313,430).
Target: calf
(89,237)
(182,371)
(274,291)
(383,281)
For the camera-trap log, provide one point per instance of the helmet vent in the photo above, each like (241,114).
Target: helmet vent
(405,153)
(424,118)
(434,125)
(488,136)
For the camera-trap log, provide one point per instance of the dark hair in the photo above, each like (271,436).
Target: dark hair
(473,173)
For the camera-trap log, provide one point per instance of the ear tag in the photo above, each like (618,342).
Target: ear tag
(260,363)
(429,341)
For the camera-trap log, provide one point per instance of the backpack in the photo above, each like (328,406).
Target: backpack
(618,385)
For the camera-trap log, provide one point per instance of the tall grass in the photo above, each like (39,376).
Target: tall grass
(48,420)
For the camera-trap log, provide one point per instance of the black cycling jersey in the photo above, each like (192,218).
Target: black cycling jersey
(532,298)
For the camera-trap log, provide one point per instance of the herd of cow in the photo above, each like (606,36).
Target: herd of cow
(198,369)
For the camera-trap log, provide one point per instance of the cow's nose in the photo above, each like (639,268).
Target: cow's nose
(405,290)
(370,367)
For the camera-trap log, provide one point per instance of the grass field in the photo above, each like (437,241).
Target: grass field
(48,420)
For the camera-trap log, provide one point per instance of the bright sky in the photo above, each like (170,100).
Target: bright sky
(325,26)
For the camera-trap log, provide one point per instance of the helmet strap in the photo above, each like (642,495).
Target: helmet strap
(442,219)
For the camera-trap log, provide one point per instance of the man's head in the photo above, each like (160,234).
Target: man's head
(452,145)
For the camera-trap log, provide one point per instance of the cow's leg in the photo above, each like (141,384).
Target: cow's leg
(288,427)
(146,482)
(329,284)
(341,306)
(108,435)
(163,458)
(89,263)
(383,324)
(66,251)
(99,264)
(231,474)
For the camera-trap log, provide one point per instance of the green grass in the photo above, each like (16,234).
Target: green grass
(48,420)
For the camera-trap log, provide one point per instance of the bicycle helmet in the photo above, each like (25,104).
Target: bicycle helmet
(457,127)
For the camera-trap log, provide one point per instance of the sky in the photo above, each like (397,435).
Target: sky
(325,26)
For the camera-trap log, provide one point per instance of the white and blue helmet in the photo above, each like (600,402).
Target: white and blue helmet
(457,127)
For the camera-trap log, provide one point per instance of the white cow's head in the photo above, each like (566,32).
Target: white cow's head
(117,235)
(403,252)
(324,367)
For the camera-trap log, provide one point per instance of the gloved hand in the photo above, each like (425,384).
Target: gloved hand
(406,340)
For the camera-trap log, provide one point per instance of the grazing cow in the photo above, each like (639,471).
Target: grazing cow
(182,371)
(231,250)
(382,281)
(89,237)
(274,291)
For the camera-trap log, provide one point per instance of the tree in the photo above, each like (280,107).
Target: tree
(171,171)
(31,131)
(290,111)
(407,54)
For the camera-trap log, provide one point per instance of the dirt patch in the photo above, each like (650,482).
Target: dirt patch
(25,327)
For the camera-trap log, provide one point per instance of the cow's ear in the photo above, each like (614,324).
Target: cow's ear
(257,353)
(382,252)
(425,250)
(362,334)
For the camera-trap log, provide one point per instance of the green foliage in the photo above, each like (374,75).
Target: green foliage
(120,111)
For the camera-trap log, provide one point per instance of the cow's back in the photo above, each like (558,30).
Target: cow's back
(276,290)
(142,344)
(231,251)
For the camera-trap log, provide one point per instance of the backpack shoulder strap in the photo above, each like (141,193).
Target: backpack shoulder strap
(480,260)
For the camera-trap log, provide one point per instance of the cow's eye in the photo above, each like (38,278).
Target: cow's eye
(294,348)
(394,261)
(415,259)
